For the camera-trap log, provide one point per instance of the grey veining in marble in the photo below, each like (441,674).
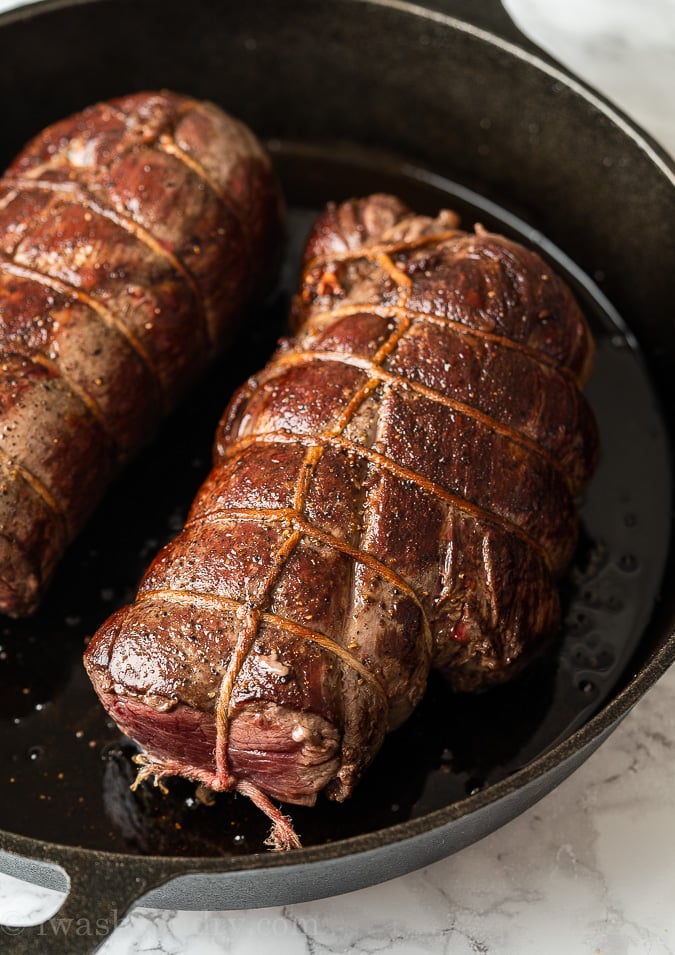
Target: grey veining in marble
(590,870)
(624,48)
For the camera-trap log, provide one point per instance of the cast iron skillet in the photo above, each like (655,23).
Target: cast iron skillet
(447,105)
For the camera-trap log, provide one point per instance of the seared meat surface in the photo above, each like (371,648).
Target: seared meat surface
(395,491)
(131,236)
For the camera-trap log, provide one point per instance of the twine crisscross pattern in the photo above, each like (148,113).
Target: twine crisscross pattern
(251,615)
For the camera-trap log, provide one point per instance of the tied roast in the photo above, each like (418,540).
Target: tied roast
(131,236)
(395,491)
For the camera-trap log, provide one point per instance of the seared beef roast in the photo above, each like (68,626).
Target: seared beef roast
(131,236)
(395,491)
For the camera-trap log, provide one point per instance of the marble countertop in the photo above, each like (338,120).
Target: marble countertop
(590,868)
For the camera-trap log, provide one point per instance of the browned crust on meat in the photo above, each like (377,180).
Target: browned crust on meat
(395,491)
(131,236)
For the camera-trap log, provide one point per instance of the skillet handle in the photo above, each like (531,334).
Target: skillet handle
(103,887)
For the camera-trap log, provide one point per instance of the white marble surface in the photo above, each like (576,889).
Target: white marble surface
(591,868)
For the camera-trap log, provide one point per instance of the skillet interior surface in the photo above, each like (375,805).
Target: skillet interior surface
(66,770)
(337,90)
